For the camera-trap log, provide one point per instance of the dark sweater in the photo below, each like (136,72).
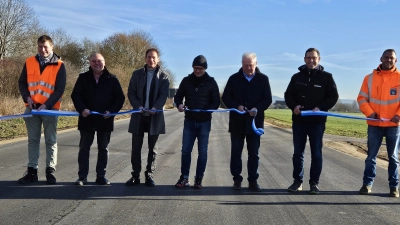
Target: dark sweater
(311,88)
(199,93)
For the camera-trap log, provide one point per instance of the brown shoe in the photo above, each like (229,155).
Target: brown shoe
(237,185)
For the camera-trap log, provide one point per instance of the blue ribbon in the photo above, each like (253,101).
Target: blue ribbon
(323,113)
(258,131)
(15,116)
(216,110)
(45,112)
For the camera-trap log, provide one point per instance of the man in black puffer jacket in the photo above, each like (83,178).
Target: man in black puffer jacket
(310,89)
(200,92)
(100,91)
(247,90)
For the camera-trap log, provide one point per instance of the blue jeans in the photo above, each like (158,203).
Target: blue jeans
(315,133)
(375,136)
(191,131)
(253,146)
(103,139)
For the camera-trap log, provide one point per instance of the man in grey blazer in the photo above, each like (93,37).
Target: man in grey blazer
(147,91)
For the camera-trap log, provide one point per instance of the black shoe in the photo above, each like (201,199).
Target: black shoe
(29,176)
(133,181)
(253,185)
(102,181)
(237,185)
(51,179)
(314,189)
(81,181)
(296,186)
(182,182)
(394,192)
(197,182)
(365,189)
(149,181)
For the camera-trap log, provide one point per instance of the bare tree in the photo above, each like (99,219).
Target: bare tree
(10,70)
(60,37)
(17,23)
(88,47)
(127,49)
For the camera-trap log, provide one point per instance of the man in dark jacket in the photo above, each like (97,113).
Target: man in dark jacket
(200,92)
(310,89)
(247,90)
(148,90)
(96,90)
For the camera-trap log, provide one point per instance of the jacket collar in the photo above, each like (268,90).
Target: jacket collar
(105,71)
(394,69)
(257,71)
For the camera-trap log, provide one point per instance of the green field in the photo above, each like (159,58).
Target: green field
(334,125)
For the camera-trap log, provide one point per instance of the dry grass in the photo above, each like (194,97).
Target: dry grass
(11,106)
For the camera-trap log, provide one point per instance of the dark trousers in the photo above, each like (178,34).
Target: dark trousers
(103,139)
(315,133)
(253,146)
(137,143)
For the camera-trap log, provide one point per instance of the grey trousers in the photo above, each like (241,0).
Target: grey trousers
(34,128)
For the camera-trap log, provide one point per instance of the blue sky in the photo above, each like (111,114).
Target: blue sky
(350,34)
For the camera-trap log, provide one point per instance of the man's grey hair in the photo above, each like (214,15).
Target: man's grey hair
(249,55)
(94,54)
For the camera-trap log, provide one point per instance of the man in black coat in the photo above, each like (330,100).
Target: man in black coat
(200,91)
(247,90)
(310,89)
(100,91)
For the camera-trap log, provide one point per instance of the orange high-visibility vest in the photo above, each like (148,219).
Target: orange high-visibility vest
(380,93)
(41,86)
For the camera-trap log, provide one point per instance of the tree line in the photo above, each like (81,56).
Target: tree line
(20,28)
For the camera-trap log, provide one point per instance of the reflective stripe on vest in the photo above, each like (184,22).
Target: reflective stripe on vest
(374,100)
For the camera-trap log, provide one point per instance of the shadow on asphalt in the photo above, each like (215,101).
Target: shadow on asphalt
(67,190)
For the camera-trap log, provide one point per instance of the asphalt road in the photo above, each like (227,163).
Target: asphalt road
(217,203)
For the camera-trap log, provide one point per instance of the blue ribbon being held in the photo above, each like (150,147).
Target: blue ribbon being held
(258,131)
(323,113)
(216,110)
(46,112)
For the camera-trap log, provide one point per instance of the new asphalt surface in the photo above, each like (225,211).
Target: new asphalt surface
(217,203)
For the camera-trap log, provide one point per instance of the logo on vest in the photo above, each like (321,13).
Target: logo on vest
(393,91)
